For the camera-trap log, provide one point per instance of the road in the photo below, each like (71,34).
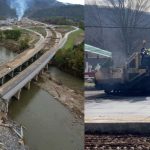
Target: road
(21,58)
(65,38)
(19,81)
(101,108)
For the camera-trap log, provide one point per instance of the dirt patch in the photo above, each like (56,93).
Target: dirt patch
(11,45)
(73,100)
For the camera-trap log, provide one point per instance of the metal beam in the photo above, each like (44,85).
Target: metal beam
(98,51)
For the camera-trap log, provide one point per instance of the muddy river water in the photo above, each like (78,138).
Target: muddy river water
(48,124)
(6,55)
(66,79)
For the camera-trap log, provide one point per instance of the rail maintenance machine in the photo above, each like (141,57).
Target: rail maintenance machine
(133,77)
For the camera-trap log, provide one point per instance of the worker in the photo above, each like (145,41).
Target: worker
(143,54)
(143,51)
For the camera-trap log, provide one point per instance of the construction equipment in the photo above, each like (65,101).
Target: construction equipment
(133,77)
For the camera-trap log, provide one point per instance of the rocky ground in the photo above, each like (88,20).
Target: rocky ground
(11,133)
(116,142)
(73,100)
(9,136)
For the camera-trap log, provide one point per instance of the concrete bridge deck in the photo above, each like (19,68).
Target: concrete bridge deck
(14,86)
(24,56)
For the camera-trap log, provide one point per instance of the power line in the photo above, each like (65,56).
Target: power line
(117,27)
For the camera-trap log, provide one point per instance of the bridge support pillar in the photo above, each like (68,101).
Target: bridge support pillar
(46,67)
(42,72)
(11,74)
(36,56)
(28,85)
(32,60)
(2,80)
(19,68)
(17,95)
(27,64)
(36,78)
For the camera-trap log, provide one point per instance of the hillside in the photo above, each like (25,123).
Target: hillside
(5,10)
(35,5)
(74,12)
(112,39)
(44,9)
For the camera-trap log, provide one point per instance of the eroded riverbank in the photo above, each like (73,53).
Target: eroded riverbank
(71,97)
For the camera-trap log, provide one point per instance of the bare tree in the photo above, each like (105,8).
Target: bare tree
(96,12)
(128,14)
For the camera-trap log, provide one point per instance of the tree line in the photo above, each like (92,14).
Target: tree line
(71,60)
(10,34)
(64,21)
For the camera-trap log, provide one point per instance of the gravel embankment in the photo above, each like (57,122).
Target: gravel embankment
(118,142)
(11,133)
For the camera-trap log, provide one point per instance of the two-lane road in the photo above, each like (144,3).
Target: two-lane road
(103,108)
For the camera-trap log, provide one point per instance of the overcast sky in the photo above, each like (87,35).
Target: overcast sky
(73,1)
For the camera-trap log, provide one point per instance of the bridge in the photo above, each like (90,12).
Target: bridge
(27,66)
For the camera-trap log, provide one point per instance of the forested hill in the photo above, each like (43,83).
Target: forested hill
(5,10)
(74,12)
(123,41)
(36,5)
(45,9)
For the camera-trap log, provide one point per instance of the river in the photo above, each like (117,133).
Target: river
(6,55)
(67,79)
(48,124)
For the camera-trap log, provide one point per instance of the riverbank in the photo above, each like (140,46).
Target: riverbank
(73,100)
(9,136)
(11,133)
